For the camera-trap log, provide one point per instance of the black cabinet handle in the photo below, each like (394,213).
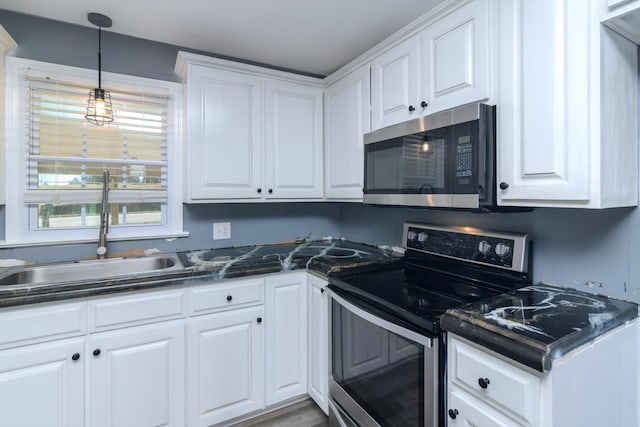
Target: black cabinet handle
(259,190)
(504,185)
(259,320)
(96,352)
(229,297)
(453,413)
(483,382)
(270,191)
(424,104)
(412,108)
(75,356)
(322,290)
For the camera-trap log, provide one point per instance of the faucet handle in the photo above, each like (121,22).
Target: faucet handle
(101,251)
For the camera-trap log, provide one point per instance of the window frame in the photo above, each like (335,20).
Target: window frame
(17,212)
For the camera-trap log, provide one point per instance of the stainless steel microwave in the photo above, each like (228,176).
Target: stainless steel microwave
(442,160)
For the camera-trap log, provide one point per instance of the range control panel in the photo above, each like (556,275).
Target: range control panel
(505,250)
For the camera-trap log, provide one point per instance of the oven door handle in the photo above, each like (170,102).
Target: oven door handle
(382,323)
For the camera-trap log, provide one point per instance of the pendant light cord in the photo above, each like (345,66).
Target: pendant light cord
(99,58)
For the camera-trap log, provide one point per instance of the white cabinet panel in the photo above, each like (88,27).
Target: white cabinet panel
(225,365)
(286,341)
(41,385)
(568,108)
(455,54)
(136,376)
(293,140)
(347,119)
(318,343)
(395,84)
(225,134)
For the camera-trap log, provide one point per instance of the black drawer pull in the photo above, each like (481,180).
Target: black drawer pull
(75,356)
(96,352)
(229,298)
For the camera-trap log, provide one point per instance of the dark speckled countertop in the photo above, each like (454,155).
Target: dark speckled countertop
(209,265)
(538,324)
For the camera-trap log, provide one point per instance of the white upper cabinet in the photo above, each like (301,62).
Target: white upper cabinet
(347,119)
(455,52)
(293,140)
(225,138)
(395,84)
(252,133)
(444,65)
(568,108)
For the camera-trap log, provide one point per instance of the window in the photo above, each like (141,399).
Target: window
(57,176)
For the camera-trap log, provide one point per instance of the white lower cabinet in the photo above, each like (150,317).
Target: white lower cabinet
(194,357)
(286,343)
(225,360)
(318,343)
(42,385)
(592,386)
(136,376)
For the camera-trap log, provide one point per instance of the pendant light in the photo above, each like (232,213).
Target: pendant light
(99,109)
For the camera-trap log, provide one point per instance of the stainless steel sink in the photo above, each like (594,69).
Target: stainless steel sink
(90,270)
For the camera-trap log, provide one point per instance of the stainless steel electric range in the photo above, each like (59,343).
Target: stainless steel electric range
(387,351)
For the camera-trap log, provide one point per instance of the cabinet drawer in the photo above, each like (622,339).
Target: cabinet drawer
(503,385)
(40,323)
(224,295)
(128,310)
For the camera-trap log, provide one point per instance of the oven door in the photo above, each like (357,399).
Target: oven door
(382,374)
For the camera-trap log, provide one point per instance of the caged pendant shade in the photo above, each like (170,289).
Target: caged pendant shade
(99,108)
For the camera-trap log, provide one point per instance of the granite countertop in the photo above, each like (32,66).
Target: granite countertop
(538,324)
(209,265)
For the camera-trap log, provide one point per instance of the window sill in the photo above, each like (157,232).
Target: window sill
(169,236)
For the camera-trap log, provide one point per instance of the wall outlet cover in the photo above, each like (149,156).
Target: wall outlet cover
(221,230)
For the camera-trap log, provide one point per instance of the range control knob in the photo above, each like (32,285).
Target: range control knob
(502,249)
(411,235)
(422,237)
(484,247)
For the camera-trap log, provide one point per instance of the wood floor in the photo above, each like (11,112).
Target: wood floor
(303,414)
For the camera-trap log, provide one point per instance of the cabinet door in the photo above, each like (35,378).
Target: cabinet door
(225,134)
(543,109)
(41,385)
(464,410)
(286,342)
(293,140)
(318,343)
(347,119)
(395,85)
(455,58)
(136,376)
(225,363)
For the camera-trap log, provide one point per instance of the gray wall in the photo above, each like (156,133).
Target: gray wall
(571,247)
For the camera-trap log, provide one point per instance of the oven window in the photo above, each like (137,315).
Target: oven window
(382,371)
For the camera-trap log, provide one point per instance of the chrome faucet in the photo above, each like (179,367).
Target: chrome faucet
(104,217)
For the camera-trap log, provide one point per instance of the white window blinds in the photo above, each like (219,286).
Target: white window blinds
(67,155)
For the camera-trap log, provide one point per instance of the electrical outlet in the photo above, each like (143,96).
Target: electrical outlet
(221,230)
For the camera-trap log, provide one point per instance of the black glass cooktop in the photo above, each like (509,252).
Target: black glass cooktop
(416,296)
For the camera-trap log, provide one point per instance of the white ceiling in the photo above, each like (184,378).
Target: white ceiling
(310,36)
